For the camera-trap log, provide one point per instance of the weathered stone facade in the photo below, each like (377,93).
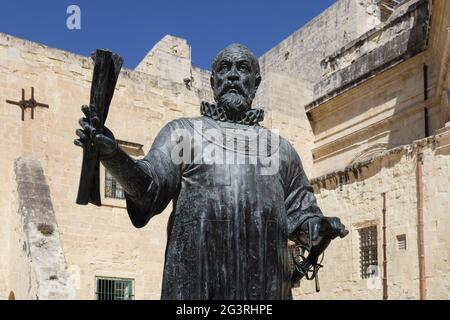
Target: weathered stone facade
(362,92)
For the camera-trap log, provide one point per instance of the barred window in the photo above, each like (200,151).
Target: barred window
(113,189)
(368,251)
(114,289)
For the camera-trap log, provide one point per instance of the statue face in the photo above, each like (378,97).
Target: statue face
(235,79)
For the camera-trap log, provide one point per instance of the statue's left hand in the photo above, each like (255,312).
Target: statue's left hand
(331,228)
(323,230)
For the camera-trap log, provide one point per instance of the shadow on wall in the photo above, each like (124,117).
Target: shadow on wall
(416,119)
(360,172)
(444,151)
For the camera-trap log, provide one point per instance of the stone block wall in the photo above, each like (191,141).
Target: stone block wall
(300,53)
(403,36)
(355,195)
(392,108)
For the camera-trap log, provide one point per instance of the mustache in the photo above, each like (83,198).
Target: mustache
(236,87)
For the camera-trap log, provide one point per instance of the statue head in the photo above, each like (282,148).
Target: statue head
(235,78)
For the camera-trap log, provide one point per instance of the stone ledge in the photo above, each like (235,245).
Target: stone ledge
(412,40)
(438,141)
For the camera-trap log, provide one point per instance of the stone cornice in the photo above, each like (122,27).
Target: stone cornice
(368,65)
(440,142)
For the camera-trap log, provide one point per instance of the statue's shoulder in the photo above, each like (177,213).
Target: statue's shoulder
(200,123)
(182,123)
(287,151)
(186,120)
(284,144)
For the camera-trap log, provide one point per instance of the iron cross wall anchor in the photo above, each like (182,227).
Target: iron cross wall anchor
(28,104)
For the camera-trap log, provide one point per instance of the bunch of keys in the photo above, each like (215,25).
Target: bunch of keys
(306,264)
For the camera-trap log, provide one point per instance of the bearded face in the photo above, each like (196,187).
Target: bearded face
(235,79)
(234,100)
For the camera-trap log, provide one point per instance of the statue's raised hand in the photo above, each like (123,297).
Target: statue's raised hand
(92,133)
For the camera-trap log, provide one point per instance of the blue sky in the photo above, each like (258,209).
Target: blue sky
(132,27)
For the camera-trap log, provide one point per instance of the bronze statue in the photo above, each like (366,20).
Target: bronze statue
(239,192)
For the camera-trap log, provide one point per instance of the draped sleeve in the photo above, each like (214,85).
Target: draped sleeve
(300,202)
(164,174)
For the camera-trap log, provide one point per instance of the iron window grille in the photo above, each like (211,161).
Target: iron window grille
(114,289)
(368,251)
(113,189)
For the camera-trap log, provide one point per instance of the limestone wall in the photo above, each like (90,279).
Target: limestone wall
(387,110)
(402,36)
(440,47)
(355,195)
(437,218)
(300,53)
(384,112)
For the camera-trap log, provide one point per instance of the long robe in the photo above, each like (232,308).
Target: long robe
(230,224)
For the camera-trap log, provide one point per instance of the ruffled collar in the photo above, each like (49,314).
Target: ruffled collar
(251,117)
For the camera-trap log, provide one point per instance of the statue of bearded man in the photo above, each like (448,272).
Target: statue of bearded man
(239,192)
